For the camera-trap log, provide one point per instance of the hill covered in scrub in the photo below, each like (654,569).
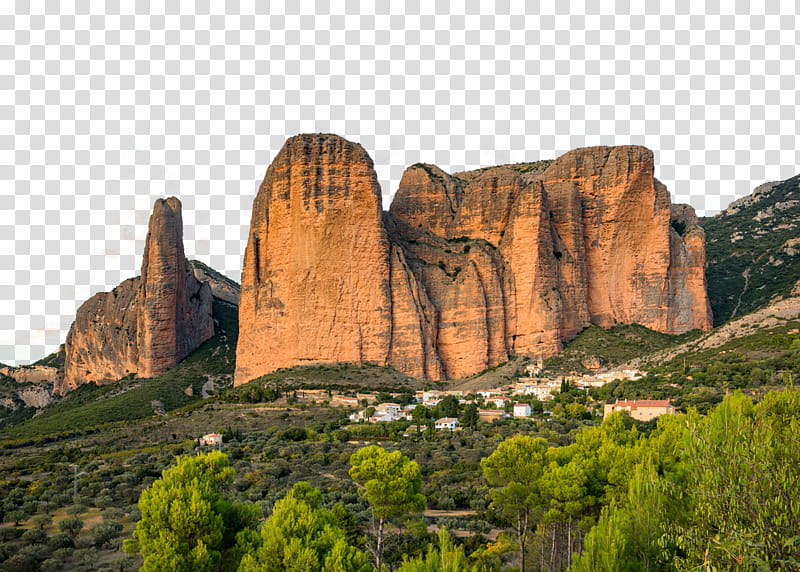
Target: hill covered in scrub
(753,250)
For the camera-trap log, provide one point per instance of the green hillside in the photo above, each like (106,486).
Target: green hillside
(612,347)
(335,376)
(753,251)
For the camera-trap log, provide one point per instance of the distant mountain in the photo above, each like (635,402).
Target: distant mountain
(753,250)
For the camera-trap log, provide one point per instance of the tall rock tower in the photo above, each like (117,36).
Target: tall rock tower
(147,324)
(315,282)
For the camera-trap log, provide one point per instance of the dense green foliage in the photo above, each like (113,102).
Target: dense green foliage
(717,492)
(444,557)
(391,482)
(186,525)
(750,256)
(515,469)
(302,536)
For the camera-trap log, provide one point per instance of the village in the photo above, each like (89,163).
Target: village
(496,403)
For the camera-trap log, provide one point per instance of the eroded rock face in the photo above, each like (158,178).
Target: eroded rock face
(34,386)
(465,270)
(30,373)
(222,287)
(175,314)
(689,308)
(147,324)
(315,282)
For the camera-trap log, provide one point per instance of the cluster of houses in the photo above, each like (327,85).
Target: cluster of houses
(498,404)
(395,412)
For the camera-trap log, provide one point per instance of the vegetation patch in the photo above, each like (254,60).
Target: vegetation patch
(750,257)
(612,346)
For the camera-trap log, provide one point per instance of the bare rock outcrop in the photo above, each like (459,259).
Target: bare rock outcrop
(464,270)
(33,386)
(30,373)
(315,281)
(147,324)
(222,287)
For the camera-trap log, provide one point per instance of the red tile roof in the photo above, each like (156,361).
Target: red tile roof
(636,404)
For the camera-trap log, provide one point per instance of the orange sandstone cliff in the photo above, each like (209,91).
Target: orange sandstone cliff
(464,270)
(147,324)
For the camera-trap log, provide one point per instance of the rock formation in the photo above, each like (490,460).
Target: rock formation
(147,324)
(464,270)
(315,283)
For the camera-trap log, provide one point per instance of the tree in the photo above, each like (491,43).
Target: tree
(72,524)
(419,415)
(16,516)
(515,470)
(186,525)
(447,407)
(302,536)
(105,532)
(446,557)
(744,484)
(470,417)
(391,482)
(42,521)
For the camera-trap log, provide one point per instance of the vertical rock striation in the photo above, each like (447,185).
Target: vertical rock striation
(464,270)
(315,281)
(147,324)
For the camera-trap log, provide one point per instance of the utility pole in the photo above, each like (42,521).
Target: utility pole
(74,484)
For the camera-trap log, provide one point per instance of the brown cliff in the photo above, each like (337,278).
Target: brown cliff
(147,324)
(315,281)
(465,270)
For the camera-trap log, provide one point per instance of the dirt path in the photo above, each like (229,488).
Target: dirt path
(746,276)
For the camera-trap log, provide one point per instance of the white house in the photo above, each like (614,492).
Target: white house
(212,439)
(542,391)
(449,423)
(487,393)
(522,410)
(390,410)
(498,401)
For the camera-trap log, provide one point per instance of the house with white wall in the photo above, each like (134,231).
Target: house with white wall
(522,410)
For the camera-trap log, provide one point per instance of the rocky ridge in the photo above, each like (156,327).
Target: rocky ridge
(463,271)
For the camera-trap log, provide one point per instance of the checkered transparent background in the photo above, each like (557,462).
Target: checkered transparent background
(105,107)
